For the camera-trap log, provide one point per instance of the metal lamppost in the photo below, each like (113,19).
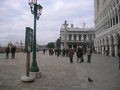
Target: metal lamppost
(36,10)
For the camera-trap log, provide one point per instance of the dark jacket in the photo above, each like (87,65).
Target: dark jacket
(13,49)
(71,53)
(7,50)
(79,52)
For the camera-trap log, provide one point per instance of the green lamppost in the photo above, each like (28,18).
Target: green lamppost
(36,11)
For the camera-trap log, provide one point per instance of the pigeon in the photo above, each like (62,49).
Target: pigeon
(90,80)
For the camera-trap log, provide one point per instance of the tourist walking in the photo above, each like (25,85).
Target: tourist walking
(13,50)
(79,53)
(63,52)
(71,53)
(89,54)
(7,50)
(67,51)
(58,52)
(44,51)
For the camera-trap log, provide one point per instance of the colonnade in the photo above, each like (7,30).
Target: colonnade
(108,44)
(79,37)
(108,30)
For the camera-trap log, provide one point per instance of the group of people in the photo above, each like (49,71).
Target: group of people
(58,52)
(69,52)
(80,51)
(11,50)
(79,54)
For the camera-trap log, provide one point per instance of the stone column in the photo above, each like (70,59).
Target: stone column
(116,50)
(103,50)
(82,37)
(72,37)
(67,45)
(77,37)
(65,34)
(97,49)
(87,37)
(106,48)
(72,46)
(61,46)
(62,37)
(110,45)
(112,21)
(115,45)
(67,37)
(110,50)
(100,49)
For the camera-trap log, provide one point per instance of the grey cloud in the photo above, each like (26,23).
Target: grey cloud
(17,16)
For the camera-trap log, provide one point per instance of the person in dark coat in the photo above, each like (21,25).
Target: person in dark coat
(71,53)
(58,52)
(79,54)
(63,52)
(7,50)
(67,51)
(13,50)
(44,51)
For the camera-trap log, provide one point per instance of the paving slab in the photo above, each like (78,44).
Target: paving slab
(59,74)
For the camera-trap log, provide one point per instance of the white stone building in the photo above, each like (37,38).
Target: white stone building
(107,25)
(71,37)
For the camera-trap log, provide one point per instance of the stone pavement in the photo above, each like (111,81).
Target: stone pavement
(59,74)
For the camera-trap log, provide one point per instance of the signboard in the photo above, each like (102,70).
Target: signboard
(28,39)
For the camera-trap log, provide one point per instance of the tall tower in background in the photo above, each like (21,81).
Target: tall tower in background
(65,34)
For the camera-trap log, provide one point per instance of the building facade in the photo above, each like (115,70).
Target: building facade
(72,37)
(107,25)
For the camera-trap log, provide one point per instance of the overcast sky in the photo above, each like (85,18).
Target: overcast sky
(15,16)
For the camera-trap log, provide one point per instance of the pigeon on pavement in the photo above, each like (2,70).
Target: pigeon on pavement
(89,79)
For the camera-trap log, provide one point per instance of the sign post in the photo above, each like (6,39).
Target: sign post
(28,49)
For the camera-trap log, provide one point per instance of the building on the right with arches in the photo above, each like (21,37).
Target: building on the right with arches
(107,25)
